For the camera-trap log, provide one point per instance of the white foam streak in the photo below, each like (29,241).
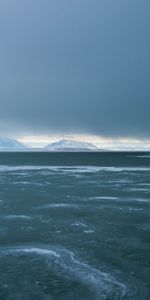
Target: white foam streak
(79,224)
(102,284)
(38,251)
(59,205)
(9,217)
(104,198)
(71,169)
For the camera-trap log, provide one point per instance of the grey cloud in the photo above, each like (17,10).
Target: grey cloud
(72,66)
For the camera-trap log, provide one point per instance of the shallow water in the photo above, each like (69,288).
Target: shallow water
(74,226)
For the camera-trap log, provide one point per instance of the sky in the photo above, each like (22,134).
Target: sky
(75,67)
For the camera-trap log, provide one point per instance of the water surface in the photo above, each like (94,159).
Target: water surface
(74,226)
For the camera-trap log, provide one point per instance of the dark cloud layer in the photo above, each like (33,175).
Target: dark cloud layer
(75,66)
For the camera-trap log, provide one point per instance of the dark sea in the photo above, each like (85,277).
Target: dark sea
(74,226)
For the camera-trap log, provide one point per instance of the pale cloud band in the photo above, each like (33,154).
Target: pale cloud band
(122,144)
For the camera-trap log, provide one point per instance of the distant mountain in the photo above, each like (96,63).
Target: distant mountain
(70,145)
(11,144)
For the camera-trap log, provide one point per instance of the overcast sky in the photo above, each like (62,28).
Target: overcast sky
(75,66)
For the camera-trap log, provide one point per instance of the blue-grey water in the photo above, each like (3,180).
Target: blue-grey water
(74,226)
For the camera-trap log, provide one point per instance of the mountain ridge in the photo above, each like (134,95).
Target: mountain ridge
(9,144)
(70,145)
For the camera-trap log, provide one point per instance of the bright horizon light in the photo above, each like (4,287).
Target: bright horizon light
(119,143)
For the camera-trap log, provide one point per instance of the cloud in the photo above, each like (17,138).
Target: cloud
(75,66)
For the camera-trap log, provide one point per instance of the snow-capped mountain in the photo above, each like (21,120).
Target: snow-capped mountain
(70,145)
(11,144)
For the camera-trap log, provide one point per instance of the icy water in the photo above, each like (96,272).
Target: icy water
(74,226)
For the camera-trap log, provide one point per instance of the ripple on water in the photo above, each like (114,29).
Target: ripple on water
(11,217)
(58,205)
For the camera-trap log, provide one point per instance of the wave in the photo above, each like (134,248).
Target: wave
(139,189)
(141,156)
(79,224)
(89,231)
(84,227)
(102,285)
(59,205)
(9,217)
(118,199)
(104,198)
(70,169)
